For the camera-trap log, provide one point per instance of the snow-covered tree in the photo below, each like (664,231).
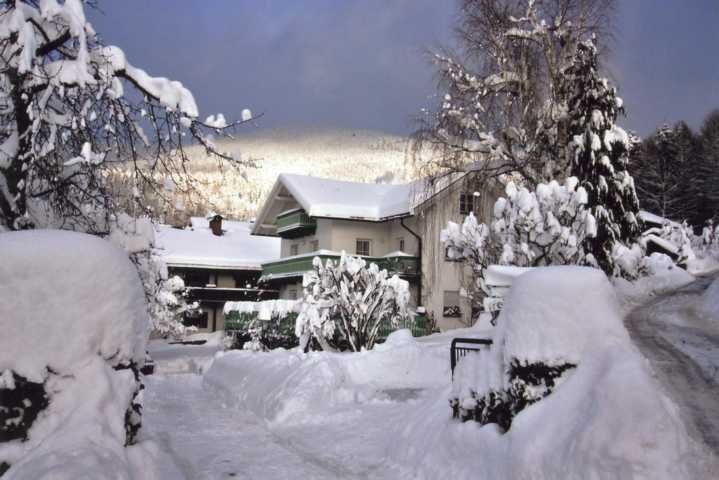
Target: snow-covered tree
(351,299)
(67,123)
(600,158)
(502,109)
(166,295)
(544,227)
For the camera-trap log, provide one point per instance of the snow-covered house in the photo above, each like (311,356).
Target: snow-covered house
(395,226)
(219,261)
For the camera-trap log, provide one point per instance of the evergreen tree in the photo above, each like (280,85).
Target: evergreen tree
(659,170)
(707,172)
(600,157)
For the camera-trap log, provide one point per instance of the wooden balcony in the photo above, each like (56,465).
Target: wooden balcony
(295,223)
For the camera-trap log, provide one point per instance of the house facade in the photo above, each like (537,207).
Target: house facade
(219,261)
(396,226)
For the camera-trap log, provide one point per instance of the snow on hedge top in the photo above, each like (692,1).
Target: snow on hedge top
(199,247)
(556,314)
(321,197)
(64,297)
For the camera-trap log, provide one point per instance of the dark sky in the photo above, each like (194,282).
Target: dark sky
(361,63)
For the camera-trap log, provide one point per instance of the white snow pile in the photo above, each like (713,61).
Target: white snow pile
(606,419)
(288,387)
(71,308)
(662,275)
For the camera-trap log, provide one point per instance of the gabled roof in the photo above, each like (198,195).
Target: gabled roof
(198,247)
(322,197)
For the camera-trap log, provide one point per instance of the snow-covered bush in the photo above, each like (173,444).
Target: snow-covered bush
(263,325)
(166,296)
(544,227)
(553,319)
(673,238)
(74,328)
(350,299)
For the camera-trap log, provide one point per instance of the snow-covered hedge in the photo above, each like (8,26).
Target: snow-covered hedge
(262,325)
(553,317)
(74,328)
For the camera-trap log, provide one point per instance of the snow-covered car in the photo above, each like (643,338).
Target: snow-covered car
(74,329)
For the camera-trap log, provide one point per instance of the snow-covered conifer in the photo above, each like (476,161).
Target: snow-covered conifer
(600,157)
(352,299)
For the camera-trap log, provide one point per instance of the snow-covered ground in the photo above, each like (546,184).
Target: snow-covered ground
(385,414)
(679,334)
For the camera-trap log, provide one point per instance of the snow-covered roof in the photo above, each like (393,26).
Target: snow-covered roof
(649,217)
(321,197)
(236,248)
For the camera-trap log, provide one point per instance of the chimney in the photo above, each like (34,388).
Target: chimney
(216,225)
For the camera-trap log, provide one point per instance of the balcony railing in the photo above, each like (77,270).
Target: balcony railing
(295,223)
(404,266)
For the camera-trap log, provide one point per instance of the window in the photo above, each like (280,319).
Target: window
(451,304)
(363,247)
(294,249)
(400,241)
(468,202)
(315,245)
(292,293)
(448,256)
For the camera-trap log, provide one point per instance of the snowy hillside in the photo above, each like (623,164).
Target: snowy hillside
(359,155)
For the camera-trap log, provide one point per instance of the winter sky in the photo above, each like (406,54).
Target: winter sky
(362,63)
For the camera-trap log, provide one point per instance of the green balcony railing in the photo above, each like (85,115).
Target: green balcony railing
(295,223)
(404,266)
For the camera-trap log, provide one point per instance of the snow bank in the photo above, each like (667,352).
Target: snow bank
(65,297)
(71,309)
(559,313)
(607,418)
(662,276)
(287,387)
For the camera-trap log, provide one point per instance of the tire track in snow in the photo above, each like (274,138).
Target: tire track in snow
(209,440)
(658,328)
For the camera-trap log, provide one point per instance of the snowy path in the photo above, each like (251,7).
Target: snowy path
(209,440)
(683,348)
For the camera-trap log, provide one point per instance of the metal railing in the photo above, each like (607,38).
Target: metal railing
(472,345)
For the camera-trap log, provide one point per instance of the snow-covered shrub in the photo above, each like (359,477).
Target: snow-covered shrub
(544,227)
(166,296)
(351,300)
(672,238)
(74,328)
(553,318)
(263,325)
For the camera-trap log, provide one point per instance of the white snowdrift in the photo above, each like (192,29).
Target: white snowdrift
(65,297)
(288,387)
(73,303)
(662,276)
(607,419)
